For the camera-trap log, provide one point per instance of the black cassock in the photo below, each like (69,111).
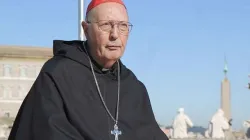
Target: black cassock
(63,103)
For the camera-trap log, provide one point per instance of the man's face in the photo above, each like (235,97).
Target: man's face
(106,30)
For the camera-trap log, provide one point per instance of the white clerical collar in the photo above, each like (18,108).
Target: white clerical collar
(104,69)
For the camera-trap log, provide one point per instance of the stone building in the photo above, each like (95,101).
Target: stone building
(19,67)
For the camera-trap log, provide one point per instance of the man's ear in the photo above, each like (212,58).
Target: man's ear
(85,28)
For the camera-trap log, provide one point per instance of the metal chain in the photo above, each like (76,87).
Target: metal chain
(99,91)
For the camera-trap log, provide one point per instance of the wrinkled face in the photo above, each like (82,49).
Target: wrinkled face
(104,30)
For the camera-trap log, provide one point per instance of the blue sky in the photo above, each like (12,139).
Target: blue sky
(176,48)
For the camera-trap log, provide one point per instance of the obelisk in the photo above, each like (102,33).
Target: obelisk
(226,94)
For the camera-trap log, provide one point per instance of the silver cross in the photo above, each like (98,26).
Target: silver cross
(116,132)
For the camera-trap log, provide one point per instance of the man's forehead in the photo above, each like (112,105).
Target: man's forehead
(110,11)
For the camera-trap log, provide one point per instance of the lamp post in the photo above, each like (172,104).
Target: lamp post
(81,17)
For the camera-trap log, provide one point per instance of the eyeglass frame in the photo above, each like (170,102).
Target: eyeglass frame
(113,23)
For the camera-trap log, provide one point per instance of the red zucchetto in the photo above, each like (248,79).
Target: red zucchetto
(95,3)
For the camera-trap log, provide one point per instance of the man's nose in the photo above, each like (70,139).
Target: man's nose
(114,33)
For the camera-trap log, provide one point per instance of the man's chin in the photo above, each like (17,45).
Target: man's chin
(110,60)
(113,58)
(114,55)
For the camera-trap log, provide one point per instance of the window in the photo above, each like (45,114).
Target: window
(7,114)
(1,92)
(7,70)
(21,91)
(23,71)
(7,91)
(14,93)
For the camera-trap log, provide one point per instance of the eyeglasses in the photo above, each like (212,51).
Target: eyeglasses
(107,25)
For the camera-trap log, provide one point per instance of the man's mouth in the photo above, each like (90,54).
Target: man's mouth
(113,47)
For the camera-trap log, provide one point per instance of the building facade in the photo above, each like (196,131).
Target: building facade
(19,68)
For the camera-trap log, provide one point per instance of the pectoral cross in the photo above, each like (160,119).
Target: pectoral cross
(116,132)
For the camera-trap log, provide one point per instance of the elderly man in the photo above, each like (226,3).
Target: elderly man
(85,92)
